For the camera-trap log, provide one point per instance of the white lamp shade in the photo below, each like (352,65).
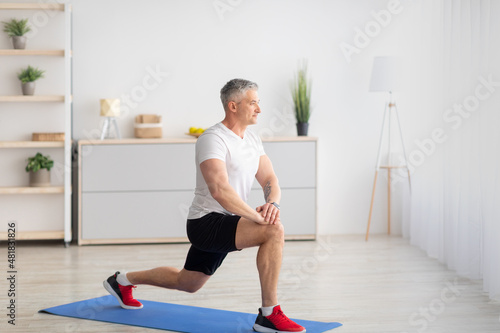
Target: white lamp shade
(386,73)
(110,107)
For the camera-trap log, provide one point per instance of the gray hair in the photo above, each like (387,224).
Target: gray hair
(234,89)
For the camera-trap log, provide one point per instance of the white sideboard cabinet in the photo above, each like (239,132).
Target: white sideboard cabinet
(140,190)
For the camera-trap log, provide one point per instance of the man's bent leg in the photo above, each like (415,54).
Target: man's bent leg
(270,239)
(170,278)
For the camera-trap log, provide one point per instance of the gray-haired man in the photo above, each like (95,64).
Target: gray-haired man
(228,158)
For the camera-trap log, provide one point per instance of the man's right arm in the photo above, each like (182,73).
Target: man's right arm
(215,175)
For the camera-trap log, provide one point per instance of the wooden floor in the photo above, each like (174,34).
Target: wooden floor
(384,285)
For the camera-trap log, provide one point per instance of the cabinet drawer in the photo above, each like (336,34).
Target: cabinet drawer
(138,167)
(135,215)
(298,209)
(294,163)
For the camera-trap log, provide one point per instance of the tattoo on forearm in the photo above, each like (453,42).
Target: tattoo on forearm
(267,191)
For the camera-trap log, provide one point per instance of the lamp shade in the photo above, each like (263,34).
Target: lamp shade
(385,74)
(110,107)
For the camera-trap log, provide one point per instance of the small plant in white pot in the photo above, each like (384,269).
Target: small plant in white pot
(16,29)
(39,170)
(28,76)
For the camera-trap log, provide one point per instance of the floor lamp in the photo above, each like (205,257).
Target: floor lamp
(384,78)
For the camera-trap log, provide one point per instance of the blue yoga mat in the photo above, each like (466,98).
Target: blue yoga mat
(172,317)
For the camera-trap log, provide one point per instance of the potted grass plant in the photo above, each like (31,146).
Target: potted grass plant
(39,170)
(301,95)
(16,29)
(28,76)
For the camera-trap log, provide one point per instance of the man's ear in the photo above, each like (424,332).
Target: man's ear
(231,106)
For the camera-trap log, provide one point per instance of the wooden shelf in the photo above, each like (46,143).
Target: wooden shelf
(34,98)
(24,6)
(392,166)
(35,235)
(32,190)
(58,53)
(31,144)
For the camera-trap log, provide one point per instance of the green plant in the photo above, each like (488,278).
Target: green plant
(30,74)
(16,27)
(301,94)
(38,162)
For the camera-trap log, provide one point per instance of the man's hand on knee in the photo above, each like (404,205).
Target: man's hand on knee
(270,213)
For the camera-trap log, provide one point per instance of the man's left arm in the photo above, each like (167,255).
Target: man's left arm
(272,192)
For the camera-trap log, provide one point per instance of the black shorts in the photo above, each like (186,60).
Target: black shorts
(212,237)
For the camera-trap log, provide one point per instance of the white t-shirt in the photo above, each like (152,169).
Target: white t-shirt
(241,156)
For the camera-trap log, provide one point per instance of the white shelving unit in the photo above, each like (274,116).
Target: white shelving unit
(64,231)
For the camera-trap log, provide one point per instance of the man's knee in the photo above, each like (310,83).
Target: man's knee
(277,232)
(191,281)
(191,288)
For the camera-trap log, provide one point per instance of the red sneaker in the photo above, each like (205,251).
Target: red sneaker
(122,293)
(276,322)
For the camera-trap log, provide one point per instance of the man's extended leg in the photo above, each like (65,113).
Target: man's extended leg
(121,285)
(202,260)
(170,278)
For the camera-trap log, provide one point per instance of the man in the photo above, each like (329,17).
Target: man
(228,158)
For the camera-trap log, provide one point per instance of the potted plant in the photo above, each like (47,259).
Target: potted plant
(301,94)
(39,170)
(28,76)
(17,29)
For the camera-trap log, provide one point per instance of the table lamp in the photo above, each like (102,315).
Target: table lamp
(110,109)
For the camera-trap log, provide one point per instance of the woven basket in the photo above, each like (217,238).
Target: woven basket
(148,126)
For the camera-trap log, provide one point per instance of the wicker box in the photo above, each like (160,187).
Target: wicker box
(148,126)
(48,137)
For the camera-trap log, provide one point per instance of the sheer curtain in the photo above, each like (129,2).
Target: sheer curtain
(454,208)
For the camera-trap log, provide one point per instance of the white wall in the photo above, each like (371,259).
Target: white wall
(196,48)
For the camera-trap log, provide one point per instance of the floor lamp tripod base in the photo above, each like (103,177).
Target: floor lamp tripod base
(389,107)
(371,205)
